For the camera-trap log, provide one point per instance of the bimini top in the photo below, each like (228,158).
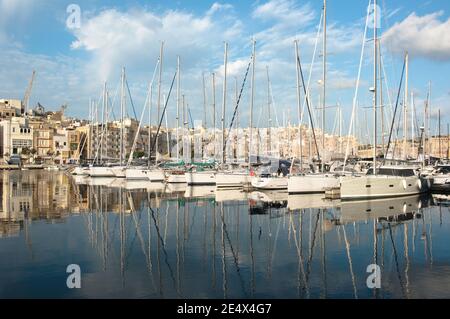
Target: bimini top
(403,171)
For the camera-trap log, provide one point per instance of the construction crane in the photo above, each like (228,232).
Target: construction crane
(26,98)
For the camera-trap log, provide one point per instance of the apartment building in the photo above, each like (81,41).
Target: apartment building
(16,136)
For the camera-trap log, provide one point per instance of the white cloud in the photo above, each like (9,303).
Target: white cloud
(216,7)
(133,37)
(12,12)
(422,36)
(286,11)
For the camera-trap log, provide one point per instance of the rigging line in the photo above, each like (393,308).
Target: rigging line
(355,97)
(162,115)
(237,105)
(396,106)
(132,105)
(319,29)
(149,103)
(309,107)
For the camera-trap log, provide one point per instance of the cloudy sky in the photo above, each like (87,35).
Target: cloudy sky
(72,63)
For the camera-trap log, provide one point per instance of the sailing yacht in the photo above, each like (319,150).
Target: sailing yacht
(312,183)
(440,178)
(141,173)
(200,177)
(230,177)
(387,181)
(100,171)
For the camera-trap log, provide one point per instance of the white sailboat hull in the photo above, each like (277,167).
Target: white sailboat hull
(201,178)
(371,186)
(270,183)
(310,184)
(101,171)
(81,171)
(176,178)
(232,179)
(153,175)
(119,171)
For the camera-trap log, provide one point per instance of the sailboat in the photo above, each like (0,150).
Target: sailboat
(119,171)
(177,174)
(153,174)
(383,181)
(316,182)
(230,177)
(99,169)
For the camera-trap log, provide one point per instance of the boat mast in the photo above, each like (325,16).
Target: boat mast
(236,100)
(405,110)
(122,106)
(214,112)
(204,114)
(297,69)
(178,107)
(103,122)
(185,133)
(324,76)
(225,60)
(159,93)
(167,129)
(381,97)
(375,87)
(251,104)
(149,125)
(413,113)
(439,117)
(269,146)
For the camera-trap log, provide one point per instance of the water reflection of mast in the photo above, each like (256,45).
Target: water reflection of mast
(301,270)
(349,257)
(396,261)
(122,236)
(375,250)
(252,255)
(205,230)
(161,244)
(323,248)
(311,245)
(140,236)
(224,266)
(177,248)
(214,247)
(405,242)
(236,263)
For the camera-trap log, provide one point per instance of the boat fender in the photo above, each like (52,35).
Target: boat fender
(404,184)
(419,183)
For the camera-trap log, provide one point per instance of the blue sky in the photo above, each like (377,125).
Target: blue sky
(72,64)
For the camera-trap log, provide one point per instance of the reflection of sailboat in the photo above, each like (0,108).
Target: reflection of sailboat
(378,208)
(176,187)
(227,195)
(200,191)
(441,199)
(141,184)
(269,196)
(80,179)
(296,202)
(100,181)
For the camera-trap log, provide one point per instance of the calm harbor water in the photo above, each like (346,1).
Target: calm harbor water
(142,240)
